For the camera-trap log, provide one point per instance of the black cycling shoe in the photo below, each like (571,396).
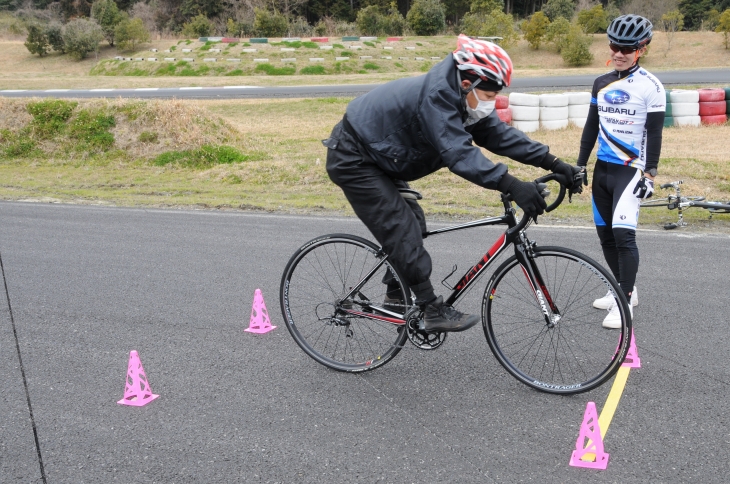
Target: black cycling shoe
(440,318)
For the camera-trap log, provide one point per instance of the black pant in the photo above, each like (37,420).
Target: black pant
(615,213)
(396,223)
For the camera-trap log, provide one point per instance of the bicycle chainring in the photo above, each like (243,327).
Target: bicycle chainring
(421,339)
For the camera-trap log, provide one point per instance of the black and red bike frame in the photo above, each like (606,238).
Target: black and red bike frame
(513,235)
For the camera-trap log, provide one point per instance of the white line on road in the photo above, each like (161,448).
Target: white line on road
(147,89)
(100,90)
(189,88)
(241,87)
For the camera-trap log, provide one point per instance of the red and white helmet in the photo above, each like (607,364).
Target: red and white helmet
(487,60)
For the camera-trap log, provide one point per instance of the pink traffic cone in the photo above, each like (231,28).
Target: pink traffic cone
(593,452)
(632,359)
(137,391)
(260,322)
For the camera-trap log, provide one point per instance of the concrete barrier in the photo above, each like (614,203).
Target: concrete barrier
(249,51)
(325,47)
(152,59)
(233,60)
(316,59)
(210,59)
(261,60)
(169,59)
(342,58)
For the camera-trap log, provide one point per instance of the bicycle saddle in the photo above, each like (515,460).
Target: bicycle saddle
(410,194)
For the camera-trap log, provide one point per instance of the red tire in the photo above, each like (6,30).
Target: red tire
(502,102)
(717,119)
(712,108)
(505,115)
(710,94)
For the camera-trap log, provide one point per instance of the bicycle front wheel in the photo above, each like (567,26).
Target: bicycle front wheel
(321,318)
(575,353)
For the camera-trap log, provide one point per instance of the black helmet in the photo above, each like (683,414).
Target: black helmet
(630,30)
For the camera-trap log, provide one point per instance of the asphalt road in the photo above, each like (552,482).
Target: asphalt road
(89,284)
(525,84)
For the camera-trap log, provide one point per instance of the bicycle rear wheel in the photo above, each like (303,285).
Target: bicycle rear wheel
(657,202)
(576,354)
(713,207)
(313,289)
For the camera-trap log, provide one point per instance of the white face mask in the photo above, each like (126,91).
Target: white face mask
(483,109)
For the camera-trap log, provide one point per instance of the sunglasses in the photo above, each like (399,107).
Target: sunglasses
(624,50)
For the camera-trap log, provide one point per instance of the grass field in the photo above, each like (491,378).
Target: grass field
(284,170)
(22,70)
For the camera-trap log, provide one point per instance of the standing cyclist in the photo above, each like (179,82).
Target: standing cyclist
(627,116)
(409,128)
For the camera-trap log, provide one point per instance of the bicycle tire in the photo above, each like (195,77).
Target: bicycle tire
(577,354)
(716,207)
(315,279)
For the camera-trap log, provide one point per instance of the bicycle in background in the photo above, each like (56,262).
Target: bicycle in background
(680,203)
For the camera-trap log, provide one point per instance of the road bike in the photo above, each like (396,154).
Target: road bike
(680,202)
(536,310)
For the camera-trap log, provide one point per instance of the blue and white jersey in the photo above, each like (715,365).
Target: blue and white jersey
(623,102)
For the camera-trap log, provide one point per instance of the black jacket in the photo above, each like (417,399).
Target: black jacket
(415,126)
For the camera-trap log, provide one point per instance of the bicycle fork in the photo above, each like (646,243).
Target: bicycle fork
(525,257)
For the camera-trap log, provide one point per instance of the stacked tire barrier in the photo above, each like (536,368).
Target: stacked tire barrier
(713,107)
(578,104)
(554,111)
(685,107)
(525,111)
(503,110)
(668,116)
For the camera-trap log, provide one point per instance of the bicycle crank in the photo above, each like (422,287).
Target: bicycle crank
(421,339)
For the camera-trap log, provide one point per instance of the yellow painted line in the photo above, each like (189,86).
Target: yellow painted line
(609,408)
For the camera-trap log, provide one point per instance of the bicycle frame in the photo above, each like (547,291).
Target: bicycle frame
(515,234)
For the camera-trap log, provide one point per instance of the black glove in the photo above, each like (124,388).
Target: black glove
(525,194)
(583,175)
(644,188)
(568,176)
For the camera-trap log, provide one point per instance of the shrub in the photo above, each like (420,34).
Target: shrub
(555,9)
(312,70)
(49,116)
(54,33)
(81,37)
(37,41)
(204,157)
(299,27)
(593,20)
(495,24)
(371,66)
(369,20)
(535,29)
(92,130)
(486,6)
(199,26)
(131,33)
(557,33)
(426,17)
(275,71)
(394,23)
(576,52)
(107,15)
(268,24)
(723,26)
(672,21)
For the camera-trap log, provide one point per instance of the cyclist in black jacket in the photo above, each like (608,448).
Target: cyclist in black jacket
(626,115)
(409,128)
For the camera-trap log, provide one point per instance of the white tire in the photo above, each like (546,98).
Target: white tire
(578,110)
(525,113)
(682,96)
(522,99)
(554,113)
(578,97)
(554,124)
(578,122)
(685,109)
(687,120)
(553,100)
(525,126)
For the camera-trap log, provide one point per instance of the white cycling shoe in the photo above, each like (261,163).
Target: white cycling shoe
(613,319)
(607,301)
